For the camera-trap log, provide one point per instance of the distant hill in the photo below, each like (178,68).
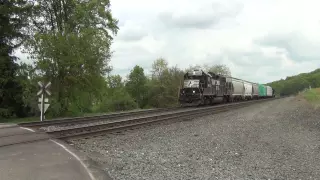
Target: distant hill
(294,84)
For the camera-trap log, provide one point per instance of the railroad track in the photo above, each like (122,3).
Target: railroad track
(91,119)
(134,122)
(126,121)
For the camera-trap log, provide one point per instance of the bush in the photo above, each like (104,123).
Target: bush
(119,101)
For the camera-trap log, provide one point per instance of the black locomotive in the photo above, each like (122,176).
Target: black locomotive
(204,88)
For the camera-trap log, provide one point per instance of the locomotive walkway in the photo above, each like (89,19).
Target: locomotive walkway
(40,160)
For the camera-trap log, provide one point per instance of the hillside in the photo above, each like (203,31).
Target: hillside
(294,84)
(313,96)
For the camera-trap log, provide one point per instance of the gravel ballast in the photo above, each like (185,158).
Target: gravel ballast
(278,139)
(104,121)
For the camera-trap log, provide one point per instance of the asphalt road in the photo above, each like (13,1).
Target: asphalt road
(22,158)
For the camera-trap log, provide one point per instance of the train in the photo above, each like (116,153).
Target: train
(207,88)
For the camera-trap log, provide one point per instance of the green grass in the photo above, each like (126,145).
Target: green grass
(313,96)
(20,120)
(29,119)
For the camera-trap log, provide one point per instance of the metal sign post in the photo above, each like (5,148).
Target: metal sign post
(44,89)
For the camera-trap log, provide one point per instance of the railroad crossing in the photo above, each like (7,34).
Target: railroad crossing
(44,105)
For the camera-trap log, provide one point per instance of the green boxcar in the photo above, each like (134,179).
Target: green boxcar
(262,90)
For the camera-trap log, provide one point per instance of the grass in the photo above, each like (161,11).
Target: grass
(30,119)
(20,120)
(313,96)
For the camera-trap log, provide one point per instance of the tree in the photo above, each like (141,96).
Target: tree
(219,69)
(164,84)
(174,80)
(71,48)
(294,84)
(159,66)
(116,97)
(28,80)
(136,85)
(156,86)
(13,19)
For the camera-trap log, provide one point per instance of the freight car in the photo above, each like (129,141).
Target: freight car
(255,91)
(241,90)
(204,88)
(269,91)
(236,90)
(262,91)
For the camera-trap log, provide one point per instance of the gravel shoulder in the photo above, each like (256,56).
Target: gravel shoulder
(279,139)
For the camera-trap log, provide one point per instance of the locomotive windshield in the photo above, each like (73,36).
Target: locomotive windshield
(195,74)
(192,77)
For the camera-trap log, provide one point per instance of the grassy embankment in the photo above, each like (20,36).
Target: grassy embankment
(19,120)
(313,96)
(30,119)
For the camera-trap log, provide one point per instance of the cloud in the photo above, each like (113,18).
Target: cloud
(298,46)
(259,41)
(253,65)
(201,16)
(126,56)
(130,31)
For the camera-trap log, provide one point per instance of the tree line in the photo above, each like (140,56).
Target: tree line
(68,42)
(295,84)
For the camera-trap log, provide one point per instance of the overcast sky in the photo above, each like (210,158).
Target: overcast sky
(259,40)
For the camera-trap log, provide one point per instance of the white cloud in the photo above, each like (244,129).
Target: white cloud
(260,41)
(200,15)
(131,31)
(299,46)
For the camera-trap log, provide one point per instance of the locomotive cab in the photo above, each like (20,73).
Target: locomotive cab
(193,87)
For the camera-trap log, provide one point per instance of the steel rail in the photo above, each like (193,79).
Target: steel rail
(140,121)
(90,119)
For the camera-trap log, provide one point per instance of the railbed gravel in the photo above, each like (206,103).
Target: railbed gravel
(102,121)
(278,139)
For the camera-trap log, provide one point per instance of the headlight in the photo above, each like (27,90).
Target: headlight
(194,91)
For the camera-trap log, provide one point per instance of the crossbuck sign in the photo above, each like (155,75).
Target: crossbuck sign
(43,106)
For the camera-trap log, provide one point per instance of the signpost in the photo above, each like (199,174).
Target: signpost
(44,89)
